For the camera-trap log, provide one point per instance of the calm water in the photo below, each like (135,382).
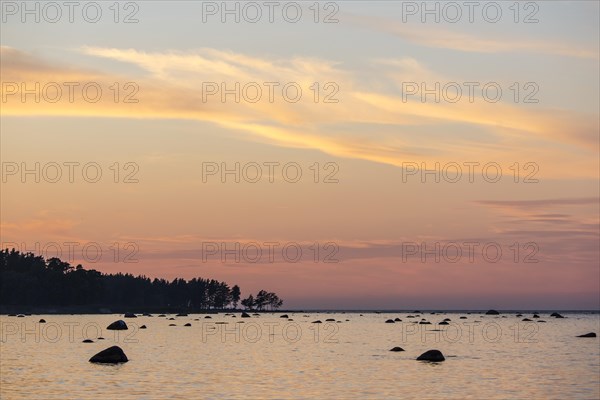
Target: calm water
(271,357)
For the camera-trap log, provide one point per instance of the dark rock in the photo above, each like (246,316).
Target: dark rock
(591,334)
(519,315)
(397,319)
(147,315)
(245,315)
(535,316)
(42,321)
(447,319)
(526,320)
(492,312)
(143,327)
(540,320)
(162,315)
(424,323)
(416,312)
(556,315)
(208,317)
(119,325)
(390,321)
(188,324)
(20,316)
(172,324)
(171,319)
(130,315)
(443,323)
(330,320)
(256,315)
(88,341)
(317,322)
(432,356)
(112,355)
(463,317)
(181,315)
(397,349)
(283,316)
(100,338)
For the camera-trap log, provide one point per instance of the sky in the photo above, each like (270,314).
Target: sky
(346,155)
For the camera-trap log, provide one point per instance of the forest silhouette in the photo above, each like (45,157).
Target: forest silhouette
(29,280)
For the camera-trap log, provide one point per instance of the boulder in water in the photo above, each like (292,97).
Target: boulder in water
(432,356)
(492,312)
(591,334)
(556,315)
(119,325)
(112,355)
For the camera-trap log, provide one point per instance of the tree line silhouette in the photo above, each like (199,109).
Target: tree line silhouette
(30,280)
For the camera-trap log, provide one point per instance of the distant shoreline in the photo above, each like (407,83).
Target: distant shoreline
(99,310)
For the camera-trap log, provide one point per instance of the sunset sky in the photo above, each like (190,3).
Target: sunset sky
(369,205)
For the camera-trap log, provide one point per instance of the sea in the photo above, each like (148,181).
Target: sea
(292,356)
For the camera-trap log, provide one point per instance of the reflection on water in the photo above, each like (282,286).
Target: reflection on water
(491,357)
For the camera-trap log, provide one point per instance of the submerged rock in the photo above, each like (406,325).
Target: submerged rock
(397,349)
(492,312)
(112,355)
(432,356)
(591,334)
(181,315)
(119,325)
